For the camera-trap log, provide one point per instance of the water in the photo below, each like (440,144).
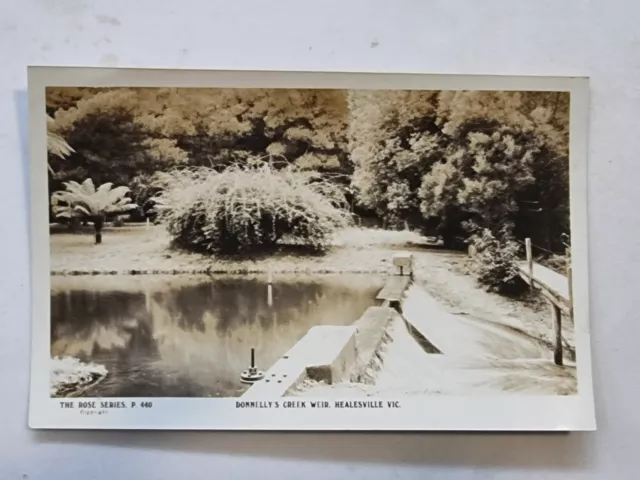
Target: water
(191,336)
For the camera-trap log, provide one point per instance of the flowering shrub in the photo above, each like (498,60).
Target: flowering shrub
(496,261)
(248,208)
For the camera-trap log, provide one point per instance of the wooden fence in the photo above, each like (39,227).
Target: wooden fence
(557,288)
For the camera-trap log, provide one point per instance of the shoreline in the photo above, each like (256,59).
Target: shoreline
(142,251)
(218,271)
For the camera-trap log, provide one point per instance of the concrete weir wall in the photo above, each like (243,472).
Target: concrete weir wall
(328,354)
(370,333)
(332,354)
(325,354)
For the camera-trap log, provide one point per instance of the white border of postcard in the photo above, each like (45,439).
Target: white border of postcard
(497,413)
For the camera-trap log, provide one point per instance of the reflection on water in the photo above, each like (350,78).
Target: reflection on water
(191,336)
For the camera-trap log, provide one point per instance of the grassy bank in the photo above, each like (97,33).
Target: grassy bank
(142,250)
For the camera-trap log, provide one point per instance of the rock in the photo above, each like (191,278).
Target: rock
(70,377)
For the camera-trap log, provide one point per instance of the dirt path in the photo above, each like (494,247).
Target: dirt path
(444,275)
(464,335)
(477,355)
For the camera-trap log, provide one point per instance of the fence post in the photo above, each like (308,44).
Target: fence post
(557,333)
(570,280)
(527,244)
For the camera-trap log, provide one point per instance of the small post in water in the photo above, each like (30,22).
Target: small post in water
(270,287)
(147,297)
(527,244)
(252,374)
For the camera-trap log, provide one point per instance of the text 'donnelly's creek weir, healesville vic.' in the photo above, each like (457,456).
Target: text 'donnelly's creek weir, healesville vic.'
(318,404)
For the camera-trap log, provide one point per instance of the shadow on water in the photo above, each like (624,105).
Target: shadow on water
(189,336)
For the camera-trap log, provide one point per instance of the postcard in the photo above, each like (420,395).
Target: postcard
(264,250)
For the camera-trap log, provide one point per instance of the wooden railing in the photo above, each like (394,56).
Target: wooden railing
(556,288)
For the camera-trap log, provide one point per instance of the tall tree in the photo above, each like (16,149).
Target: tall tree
(210,127)
(393,140)
(109,145)
(444,159)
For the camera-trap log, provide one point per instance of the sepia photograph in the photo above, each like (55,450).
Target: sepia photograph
(309,243)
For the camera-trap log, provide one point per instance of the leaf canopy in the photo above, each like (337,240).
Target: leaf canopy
(84,200)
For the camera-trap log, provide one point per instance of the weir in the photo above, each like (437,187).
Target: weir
(331,354)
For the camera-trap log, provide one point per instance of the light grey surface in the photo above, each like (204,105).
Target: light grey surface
(544,37)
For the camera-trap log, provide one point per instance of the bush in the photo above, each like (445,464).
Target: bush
(249,208)
(496,262)
(558,263)
(118,222)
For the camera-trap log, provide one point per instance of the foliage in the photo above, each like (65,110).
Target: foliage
(483,177)
(431,160)
(496,261)
(56,145)
(248,207)
(558,263)
(393,140)
(445,160)
(123,134)
(84,200)
(544,113)
(142,192)
(203,125)
(109,145)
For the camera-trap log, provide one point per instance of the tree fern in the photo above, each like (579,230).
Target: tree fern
(83,200)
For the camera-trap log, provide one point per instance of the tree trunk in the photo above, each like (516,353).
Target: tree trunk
(74,224)
(97,224)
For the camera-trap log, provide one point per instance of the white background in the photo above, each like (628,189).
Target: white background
(597,38)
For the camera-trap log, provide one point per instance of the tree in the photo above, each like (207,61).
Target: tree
(56,145)
(109,144)
(96,205)
(545,114)
(209,124)
(64,98)
(123,134)
(445,161)
(218,127)
(393,141)
(489,173)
